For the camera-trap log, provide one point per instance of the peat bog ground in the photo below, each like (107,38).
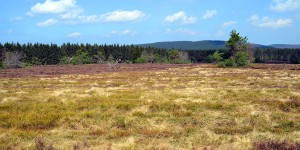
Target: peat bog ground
(149,106)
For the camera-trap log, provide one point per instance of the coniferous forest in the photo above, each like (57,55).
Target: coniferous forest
(14,55)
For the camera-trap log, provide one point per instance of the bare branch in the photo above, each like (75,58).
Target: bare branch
(13,59)
(115,65)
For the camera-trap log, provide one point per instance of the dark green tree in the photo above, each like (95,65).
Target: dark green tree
(294,59)
(216,57)
(173,56)
(241,59)
(239,51)
(236,43)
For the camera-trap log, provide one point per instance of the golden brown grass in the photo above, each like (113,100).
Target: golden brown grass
(178,108)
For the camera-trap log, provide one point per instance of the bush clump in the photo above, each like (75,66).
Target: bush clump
(276,145)
(140,61)
(2,66)
(238,54)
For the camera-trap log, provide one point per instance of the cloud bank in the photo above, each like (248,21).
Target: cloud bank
(181,17)
(267,22)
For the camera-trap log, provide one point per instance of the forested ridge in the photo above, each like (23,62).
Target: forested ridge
(188,45)
(202,45)
(18,55)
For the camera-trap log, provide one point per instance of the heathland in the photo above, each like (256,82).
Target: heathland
(149,106)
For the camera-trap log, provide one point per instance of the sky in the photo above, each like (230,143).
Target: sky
(146,21)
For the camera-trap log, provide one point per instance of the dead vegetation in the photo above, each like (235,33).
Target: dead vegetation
(276,145)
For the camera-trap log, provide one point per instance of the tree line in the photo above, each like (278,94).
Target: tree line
(272,55)
(14,55)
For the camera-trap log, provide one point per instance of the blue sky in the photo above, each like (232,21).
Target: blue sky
(146,21)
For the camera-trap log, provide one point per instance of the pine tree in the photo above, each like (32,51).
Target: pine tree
(239,50)
(236,43)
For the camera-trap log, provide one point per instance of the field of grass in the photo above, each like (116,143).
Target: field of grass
(191,107)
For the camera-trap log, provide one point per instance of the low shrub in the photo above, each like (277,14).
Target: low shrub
(125,106)
(276,145)
(140,61)
(65,60)
(165,106)
(2,65)
(285,126)
(121,123)
(182,113)
(157,133)
(241,59)
(230,62)
(128,62)
(119,133)
(40,144)
(292,104)
(216,57)
(97,132)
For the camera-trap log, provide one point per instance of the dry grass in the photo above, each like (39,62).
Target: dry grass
(179,108)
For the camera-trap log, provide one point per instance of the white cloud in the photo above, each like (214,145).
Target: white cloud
(181,17)
(54,7)
(65,8)
(268,22)
(48,22)
(209,14)
(121,16)
(285,5)
(71,14)
(74,34)
(115,16)
(276,23)
(228,23)
(89,19)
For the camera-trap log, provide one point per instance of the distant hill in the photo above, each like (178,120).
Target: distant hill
(190,45)
(261,46)
(285,45)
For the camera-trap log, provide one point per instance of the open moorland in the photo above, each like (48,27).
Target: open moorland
(148,106)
